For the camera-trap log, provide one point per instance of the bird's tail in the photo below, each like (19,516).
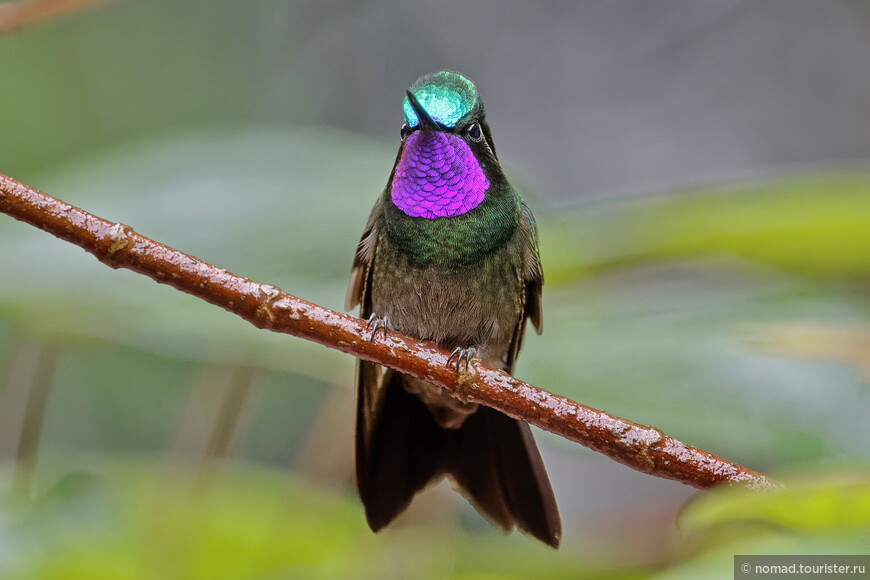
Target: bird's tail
(492,458)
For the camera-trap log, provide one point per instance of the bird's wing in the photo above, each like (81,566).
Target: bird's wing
(368,374)
(531,278)
(357,291)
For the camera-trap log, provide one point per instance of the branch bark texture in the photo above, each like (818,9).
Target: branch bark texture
(643,448)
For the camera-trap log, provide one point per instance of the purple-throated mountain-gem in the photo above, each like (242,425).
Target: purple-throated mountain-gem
(449,254)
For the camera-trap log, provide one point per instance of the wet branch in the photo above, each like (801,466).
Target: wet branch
(640,447)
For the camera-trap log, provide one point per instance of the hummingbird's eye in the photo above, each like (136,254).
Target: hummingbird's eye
(474,132)
(406,130)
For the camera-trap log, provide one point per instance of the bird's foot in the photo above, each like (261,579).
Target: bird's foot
(377,323)
(461,358)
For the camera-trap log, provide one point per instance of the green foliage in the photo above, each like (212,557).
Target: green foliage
(142,522)
(811,514)
(837,502)
(813,224)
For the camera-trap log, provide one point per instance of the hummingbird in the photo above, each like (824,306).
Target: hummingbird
(449,254)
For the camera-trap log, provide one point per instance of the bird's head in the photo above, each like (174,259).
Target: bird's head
(447,159)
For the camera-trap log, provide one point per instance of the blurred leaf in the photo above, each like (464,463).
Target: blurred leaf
(840,501)
(143,522)
(825,512)
(815,224)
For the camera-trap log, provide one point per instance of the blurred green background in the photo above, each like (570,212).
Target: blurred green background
(699,176)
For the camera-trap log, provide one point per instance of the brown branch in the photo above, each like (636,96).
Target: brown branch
(640,447)
(17,15)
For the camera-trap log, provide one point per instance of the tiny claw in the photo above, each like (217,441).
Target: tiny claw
(462,357)
(457,352)
(377,323)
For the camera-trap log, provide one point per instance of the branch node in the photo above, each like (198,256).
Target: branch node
(466,382)
(266,311)
(644,440)
(120,237)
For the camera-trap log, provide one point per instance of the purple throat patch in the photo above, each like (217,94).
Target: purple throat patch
(437,176)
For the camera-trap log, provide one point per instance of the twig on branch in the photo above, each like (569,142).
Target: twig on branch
(17,15)
(640,447)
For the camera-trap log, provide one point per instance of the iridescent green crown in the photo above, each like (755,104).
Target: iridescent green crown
(448,97)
